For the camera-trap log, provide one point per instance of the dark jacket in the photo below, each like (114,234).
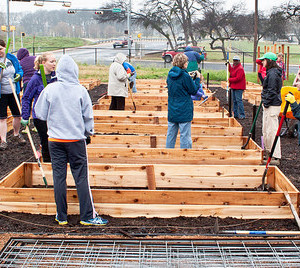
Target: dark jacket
(18,70)
(32,92)
(270,94)
(237,79)
(296,110)
(27,63)
(180,88)
(194,58)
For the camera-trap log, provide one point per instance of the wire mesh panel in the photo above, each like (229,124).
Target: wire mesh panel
(20,252)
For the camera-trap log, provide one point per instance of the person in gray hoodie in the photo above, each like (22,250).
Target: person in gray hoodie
(67,108)
(118,83)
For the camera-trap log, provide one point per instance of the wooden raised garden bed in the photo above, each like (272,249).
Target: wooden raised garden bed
(164,191)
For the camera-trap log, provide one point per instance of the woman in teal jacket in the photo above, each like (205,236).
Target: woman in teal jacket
(11,69)
(180,104)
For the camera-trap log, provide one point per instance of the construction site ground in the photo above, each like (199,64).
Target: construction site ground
(28,224)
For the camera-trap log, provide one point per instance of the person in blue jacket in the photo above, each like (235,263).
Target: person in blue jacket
(10,69)
(180,104)
(32,93)
(130,70)
(194,58)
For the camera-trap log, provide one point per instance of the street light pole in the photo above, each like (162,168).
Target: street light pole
(7,21)
(129,28)
(255,35)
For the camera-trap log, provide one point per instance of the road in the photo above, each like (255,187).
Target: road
(104,54)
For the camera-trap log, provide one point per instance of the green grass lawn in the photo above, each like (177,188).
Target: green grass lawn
(44,43)
(101,72)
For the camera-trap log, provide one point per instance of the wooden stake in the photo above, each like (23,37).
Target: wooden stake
(288,63)
(151,177)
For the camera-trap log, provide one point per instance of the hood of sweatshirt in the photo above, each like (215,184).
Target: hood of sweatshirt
(176,72)
(67,70)
(188,48)
(22,53)
(120,58)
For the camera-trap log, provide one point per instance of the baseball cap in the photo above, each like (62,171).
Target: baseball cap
(236,58)
(269,55)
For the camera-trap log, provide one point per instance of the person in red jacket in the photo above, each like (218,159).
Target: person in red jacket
(237,82)
(262,71)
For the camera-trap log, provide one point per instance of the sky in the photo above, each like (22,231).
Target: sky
(30,7)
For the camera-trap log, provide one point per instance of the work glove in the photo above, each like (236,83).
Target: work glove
(227,62)
(290,98)
(2,65)
(25,122)
(88,140)
(128,75)
(17,78)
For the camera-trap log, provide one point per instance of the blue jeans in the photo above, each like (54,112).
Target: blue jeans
(185,135)
(132,79)
(238,106)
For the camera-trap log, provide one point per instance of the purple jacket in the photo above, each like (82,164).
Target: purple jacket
(27,63)
(32,92)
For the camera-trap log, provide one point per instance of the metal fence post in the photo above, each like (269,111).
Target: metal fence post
(243,59)
(95,56)
(64,51)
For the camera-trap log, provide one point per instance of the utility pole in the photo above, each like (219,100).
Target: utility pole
(129,28)
(255,35)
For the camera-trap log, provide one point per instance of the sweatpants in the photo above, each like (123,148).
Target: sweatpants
(42,129)
(75,153)
(269,129)
(117,103)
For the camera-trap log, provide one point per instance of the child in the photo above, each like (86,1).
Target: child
(280,63)
(67,108)
(200,93)
(130,70)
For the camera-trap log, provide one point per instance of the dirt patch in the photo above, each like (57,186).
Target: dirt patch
(143,227)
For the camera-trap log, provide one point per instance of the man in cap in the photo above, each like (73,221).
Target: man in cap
(237,82)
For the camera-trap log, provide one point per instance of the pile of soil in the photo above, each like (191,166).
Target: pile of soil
(139,227)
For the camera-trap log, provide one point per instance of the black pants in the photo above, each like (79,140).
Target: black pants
(42,129)
(117,103)
(75,154)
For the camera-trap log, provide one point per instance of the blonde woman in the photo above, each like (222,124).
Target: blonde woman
(180,104)
(32,93)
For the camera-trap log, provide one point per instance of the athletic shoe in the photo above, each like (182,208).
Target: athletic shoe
(20,139)
(61,222)
(95,221)
(3,146)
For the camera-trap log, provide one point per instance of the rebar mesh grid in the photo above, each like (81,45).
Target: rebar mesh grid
(20,252)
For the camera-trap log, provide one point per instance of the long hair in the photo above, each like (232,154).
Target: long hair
(271,64)
(39,60)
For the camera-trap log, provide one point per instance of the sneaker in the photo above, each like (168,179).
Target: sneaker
(20,139)
(96,221)
(34,129)
(3,146)
(61,222)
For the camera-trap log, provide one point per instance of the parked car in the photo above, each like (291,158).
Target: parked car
(169,55)
(121,43)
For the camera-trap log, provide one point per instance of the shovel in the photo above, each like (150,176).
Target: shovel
(6,51)
(29,135)
(252,127)
(130,85)
(274,144)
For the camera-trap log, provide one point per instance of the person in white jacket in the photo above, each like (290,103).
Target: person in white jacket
(67,108)
(118,83)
